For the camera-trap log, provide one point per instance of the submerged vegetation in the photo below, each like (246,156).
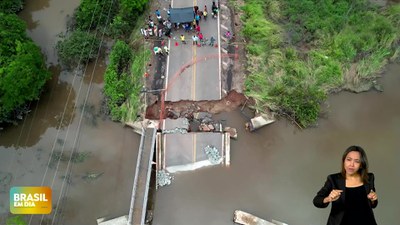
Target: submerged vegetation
(301,50)
(23,71)
(79,47)
(114,19)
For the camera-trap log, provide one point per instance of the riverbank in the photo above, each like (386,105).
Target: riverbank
(276,171)
(299,53)
(293,57)
(67,119)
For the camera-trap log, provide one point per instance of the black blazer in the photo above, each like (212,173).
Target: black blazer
(337,181)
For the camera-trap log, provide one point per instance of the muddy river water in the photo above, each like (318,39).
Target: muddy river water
(97,182)
(274,173)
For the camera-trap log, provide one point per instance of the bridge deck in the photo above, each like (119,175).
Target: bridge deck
(141,183)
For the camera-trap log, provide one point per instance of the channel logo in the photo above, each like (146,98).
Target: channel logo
(30,200)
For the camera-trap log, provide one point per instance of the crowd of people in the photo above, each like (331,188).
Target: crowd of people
(164,27)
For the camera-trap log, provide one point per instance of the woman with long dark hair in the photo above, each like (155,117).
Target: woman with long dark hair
(351,192)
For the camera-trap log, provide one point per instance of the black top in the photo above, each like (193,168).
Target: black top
(356,209)
(337,181)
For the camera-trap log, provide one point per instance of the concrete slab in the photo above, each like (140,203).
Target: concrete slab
(123,220)
(187,150)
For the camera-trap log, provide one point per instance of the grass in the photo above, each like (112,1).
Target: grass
(134,105)
(300,51)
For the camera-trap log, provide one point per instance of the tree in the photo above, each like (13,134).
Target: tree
(79,47)
(11,6)
(22,69)
(92,14)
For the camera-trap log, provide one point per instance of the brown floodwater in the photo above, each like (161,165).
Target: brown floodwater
(276,171)
(67,119)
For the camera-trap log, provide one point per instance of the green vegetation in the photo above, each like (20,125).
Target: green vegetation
(301,50)
(11,6)
(123,77)
(16,220)
(79,47)
(123,81)
(22,68)
(117,79)
(93,14)
(133,102)
(118,16)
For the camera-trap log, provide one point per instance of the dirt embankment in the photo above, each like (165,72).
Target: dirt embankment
(187,108)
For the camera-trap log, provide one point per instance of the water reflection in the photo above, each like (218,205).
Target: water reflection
(38,151)
(52,110)
(276,171)
(45,20)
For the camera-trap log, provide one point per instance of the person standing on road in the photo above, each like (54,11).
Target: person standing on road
(166,50)
(212,39)
(351,192)
(157,50)
(195,39)
(205,12)
(214,10)
(197,18)
(201,38)
(183,39)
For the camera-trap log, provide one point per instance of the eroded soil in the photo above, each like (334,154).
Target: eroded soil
(187,108)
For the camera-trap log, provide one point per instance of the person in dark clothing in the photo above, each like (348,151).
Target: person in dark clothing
(212,41)
(351,192)
(214,9)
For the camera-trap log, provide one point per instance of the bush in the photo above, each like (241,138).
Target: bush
(79,47)
(292,65)
(117,79)
(119,17)
(11,6)
(302,102)
(93,14)
(16,220)
(22,68)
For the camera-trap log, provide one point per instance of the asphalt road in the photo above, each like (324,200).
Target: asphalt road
(200,79)
(193,73)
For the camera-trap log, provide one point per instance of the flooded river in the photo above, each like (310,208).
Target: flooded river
(276,171)
(97,180)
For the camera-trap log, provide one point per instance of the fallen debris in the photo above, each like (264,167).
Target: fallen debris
(163,178)
(213,154)
(176,130)
(92,176)
(258,122)
(232,132)
(245,218)
(140,126)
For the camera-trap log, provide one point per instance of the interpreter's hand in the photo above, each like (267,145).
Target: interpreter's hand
(372,196)
(334,195)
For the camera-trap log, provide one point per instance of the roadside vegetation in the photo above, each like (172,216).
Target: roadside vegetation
(23,71)
(123,82)
(116,19)
(16,220)
(299,51)
(11,6)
